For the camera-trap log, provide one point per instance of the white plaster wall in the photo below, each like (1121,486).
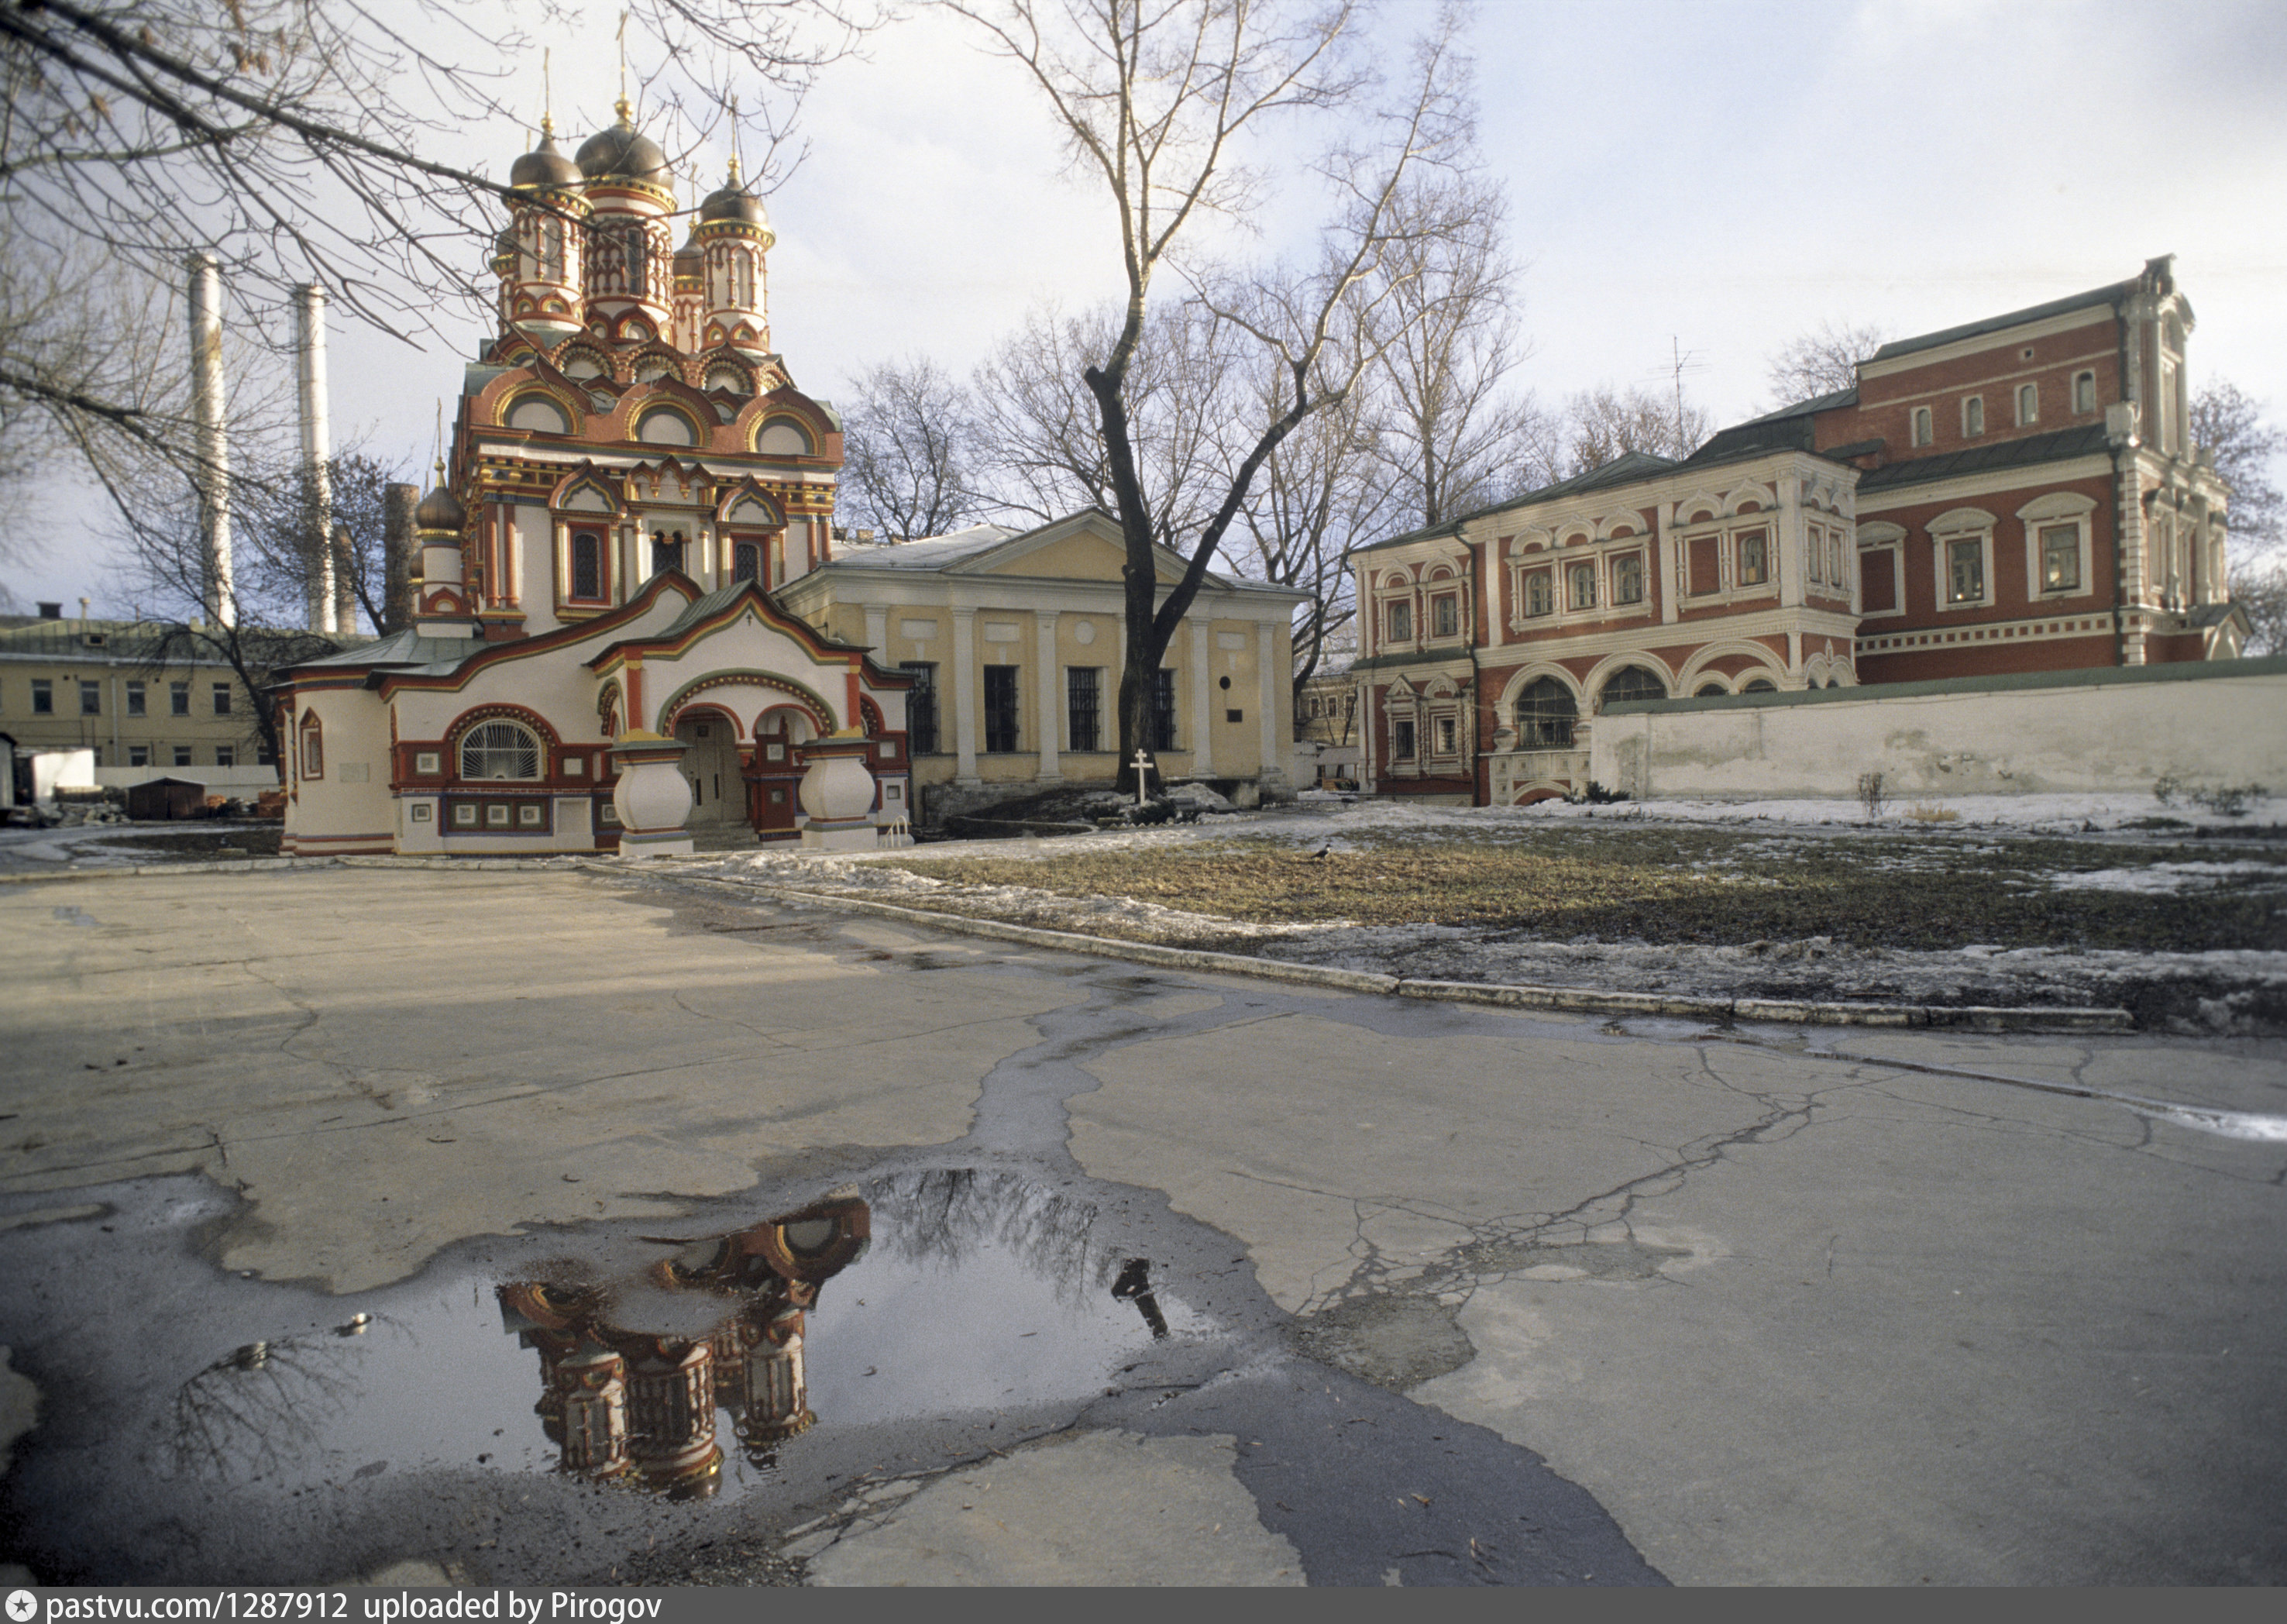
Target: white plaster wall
(353,798)
(2215,730)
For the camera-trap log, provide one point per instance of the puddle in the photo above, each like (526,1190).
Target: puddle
(695,1366)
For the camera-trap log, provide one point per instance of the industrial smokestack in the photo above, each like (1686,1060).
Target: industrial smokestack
(317,447)
(345,595)
(216,593)
(401,551)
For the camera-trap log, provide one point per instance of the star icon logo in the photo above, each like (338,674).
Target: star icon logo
(22,1605)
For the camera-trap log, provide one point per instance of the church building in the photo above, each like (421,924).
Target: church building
(629,621)
(2016,495)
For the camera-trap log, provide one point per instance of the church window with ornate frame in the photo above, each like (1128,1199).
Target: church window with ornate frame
(1754,559)
(314,747)
(1815,554)
(1539,593)
(1580,585)
(1400,619)
(587,565)
(498,750)
(746,560)
(1629,578)
(1446,615)
(1401,739)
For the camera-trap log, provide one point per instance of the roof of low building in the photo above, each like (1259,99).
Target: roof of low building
(928,552)
(2111,294)
(2062,445)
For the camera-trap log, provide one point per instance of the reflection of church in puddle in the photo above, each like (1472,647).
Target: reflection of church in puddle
(643,1405)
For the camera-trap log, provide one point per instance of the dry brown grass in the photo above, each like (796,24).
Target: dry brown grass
(1669,885)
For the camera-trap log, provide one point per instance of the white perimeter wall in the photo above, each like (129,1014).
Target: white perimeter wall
(2213,729)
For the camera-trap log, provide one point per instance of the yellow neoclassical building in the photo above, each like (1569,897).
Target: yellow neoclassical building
(1016,640)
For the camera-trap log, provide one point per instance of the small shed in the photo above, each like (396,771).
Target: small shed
(166,797)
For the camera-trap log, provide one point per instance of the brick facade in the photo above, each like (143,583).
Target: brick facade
(2016,495)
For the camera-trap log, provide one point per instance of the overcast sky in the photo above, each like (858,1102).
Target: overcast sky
(1711,176)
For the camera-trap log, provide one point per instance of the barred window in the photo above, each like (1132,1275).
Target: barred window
(1084,707)
(586,565)
(1544,716)
(1163,711)
(1632,682)
(1001,709)
(920,707)
(498,750)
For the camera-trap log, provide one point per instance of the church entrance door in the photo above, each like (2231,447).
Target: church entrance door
(774,782)
(711,766)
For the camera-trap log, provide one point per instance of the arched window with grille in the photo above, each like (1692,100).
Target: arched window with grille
(1631,682)
(1546,713)
(496,750)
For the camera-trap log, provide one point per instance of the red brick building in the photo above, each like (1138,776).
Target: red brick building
(2019,494)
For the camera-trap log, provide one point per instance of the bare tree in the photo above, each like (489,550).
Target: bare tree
(1328,487)
(273,522)
(1158,101)
(1603,423)
(2226,422)
(1455,434)
(1043,436)
(2262,593)
(911,460)
(1823,361)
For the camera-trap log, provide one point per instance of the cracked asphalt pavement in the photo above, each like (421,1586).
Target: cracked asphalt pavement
(1459,1296)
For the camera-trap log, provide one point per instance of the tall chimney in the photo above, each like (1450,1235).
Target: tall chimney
(401,551)
(345,596)
(216,594)
(317,477)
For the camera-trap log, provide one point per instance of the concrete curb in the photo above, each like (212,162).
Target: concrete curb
(1568,999)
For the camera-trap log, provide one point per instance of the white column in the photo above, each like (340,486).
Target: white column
(1670,575)
(1266,661)
(1203,690)
(964,696)
(1051,722)
(1791,536)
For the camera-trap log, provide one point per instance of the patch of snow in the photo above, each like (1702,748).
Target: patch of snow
(2164,879)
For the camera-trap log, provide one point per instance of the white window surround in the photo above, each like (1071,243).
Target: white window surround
(1973,416)
(1960,525)
(1601,558)
(1729,589)
(2083,390)
(1455,587)
(2057,508)
(1922,427)
(2029,404)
